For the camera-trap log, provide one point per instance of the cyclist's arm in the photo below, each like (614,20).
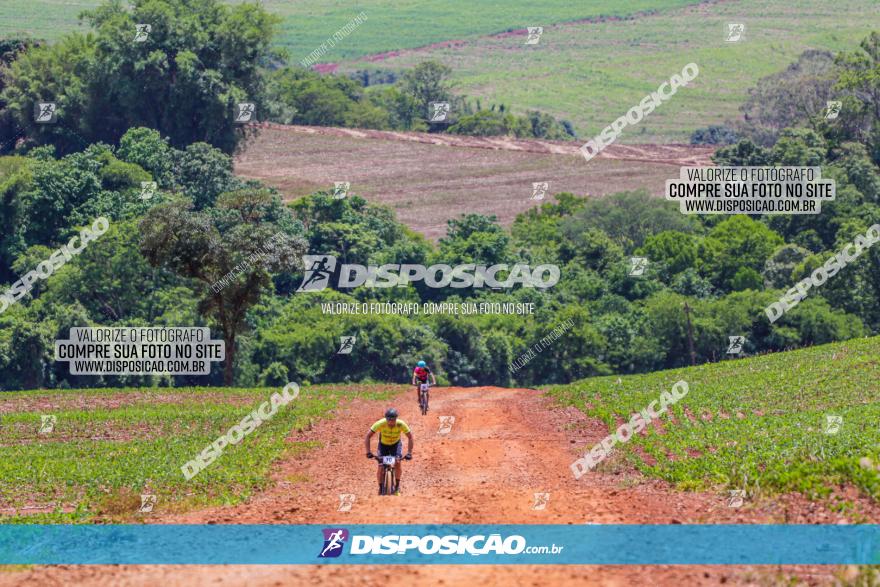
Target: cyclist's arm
(434,379)
(414,378)
(369,437)
(409,441)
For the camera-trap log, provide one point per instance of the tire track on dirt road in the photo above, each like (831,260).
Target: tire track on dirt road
(504,446)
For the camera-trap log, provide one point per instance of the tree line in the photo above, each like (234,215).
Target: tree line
(707,277)
(197,63)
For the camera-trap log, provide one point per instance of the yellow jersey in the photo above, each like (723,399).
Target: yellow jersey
(389,434)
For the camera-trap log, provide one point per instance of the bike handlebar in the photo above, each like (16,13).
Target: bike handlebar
(379,458)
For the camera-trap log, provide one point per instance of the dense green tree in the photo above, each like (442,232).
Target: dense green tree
(860,76)
(114,283)
(628,218)
(25,351)
(488,123)
(15,178)
(402,108)
(146,148)
(198,62)
(592,249)
(427,82)
(237,246)
(778,268)
(545,126)
(203,173)
(538,228)
(475,238)
(10,49)
(305,341)
(677,251)
(735,243)
(746,278)
(742,154)
(789,98)
(714,134)
(799,147)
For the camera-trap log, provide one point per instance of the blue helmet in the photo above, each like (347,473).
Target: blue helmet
(422,364)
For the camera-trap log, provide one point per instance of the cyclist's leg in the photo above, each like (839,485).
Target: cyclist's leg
(397,466)
(384,450)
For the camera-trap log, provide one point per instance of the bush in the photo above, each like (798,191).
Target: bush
(274,375)
(714,135)
(119,175)
(146,148)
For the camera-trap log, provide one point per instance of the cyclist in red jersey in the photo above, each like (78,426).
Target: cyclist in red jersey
(420,375)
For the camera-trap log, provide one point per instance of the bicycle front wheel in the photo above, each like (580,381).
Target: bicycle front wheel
(388,485)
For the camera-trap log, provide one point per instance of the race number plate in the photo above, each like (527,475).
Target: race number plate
(423,387)
(388,460)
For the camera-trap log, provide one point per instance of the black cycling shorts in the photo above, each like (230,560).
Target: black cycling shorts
(391,450)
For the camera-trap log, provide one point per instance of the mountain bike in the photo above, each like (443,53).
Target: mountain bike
(423,397)
(389,479)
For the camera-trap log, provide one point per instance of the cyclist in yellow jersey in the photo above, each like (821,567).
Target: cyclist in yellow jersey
(390,428)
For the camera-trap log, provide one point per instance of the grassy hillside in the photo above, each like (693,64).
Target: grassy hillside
(592,73)
(109,446)
(587,72)
(389,26)
(755,423)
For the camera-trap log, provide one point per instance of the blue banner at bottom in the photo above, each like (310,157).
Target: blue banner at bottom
(441,544)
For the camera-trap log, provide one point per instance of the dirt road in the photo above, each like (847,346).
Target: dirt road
(504,446)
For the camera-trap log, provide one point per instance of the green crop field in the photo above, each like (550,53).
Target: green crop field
(592,73)
(588,73)
(108,446)
(389,26)
(756,424)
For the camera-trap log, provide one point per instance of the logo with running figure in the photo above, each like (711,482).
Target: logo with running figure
(45,112)
(47,424)
(539,189)
(340,189)
(319,268)
(832,109)
(245,112)
(832,424)
(637,266)
(142,32)
(541,501)
(334,540)
(535,33)
(346,345)
(148,189)
(446,423)
(735,32)
(438,111)
(736,344)
(346,500)
(736,498)
(148,501)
